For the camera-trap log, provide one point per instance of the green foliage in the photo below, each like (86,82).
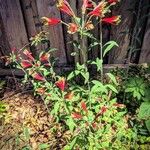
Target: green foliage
(108,46)
(80,70)
(2,83)
(39,38)
(144,112)
(137,87)
(99,64)
(43,146)
(3,108)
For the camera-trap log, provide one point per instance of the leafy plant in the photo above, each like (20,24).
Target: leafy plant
(136,86)
(90,111)
(144,110)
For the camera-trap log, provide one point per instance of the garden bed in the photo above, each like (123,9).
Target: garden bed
(26,124)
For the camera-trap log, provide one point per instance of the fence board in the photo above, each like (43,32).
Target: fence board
(48,8)
(28,15)
(118,55)
(4,46)
(23,21)
(68,46)
(145,50)
(32,22)
(13,22)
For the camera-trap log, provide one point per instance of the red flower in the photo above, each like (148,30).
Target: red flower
(69,96)
(114,20)
(113,1)
(103,110)
(37,76)
(64,6)
(83,106)
(86,4)
(72,28)
(61,83)
(26,64)
(76,116)
(99,10)
(44,57)
(50,21)
(28,54)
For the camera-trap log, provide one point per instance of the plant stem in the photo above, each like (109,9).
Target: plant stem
(83,51)
(101,48)
(83,47)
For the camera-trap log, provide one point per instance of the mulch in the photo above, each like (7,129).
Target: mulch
(27,122)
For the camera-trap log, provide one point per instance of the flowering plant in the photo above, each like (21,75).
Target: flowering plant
(81,25)
(90,112)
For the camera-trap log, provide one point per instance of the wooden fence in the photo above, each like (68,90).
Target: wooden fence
(20,19)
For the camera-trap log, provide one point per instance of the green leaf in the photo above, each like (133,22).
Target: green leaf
(71,124)
(85,76)
(108,46)
(147,122)
(26,132)
(144,111)
(71,75)
(93,45)
(43,146)
(72,144)
(2,107)
(56,107)
(98,87)
(112,88)
(112,77)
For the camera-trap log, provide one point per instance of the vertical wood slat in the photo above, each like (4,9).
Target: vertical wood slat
(68,38)
(32,22)
(48,8)
(28,16)
(118,55)
(145,50)
(4,45)
(13,23)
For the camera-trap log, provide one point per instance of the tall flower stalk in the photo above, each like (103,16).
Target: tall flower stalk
(83,25)
(101,47)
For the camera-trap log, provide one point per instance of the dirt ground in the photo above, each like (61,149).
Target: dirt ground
(26,124)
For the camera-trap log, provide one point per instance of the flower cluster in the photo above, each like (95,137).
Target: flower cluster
(89,10)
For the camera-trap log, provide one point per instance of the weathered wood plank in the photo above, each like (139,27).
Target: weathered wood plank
(32,22)
(28,15)
(145,50)
(68,38)
(13,22)
(4,46)
(120,33)
(48,8)
(106,67)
